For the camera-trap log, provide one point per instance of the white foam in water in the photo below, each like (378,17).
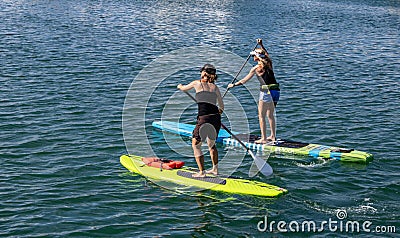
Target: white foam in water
(313,164)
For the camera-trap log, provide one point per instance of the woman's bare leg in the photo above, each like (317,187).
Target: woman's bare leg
(262,109)
(270,109)
(214,157)
(198,154)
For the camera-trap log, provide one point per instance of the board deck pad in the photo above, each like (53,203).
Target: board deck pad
(342,150)
(291,144)
(215,180)
(250,138)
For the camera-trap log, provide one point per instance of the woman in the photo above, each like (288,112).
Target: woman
(208,117)
(269,91)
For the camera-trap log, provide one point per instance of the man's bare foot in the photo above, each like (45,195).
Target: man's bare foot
(212,171)
(271,138)
(200,174)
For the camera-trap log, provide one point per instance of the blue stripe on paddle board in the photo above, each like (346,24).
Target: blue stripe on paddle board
(176,128)
(184,129)
(315,152)
(336,155)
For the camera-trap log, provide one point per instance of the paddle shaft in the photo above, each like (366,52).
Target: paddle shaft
(240,70)
(235,137)
(190,95)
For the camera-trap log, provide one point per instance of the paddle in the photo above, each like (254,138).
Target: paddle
(240,70)
(261,164)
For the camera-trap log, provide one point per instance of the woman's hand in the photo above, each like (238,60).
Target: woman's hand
(231,85)
(180,86)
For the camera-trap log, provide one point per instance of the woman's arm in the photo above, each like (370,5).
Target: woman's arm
(186,87)
(259,41)
(268,59)
(221,105)
(245,79)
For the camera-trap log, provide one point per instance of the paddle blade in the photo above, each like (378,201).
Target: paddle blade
(259,165)
(253,171)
